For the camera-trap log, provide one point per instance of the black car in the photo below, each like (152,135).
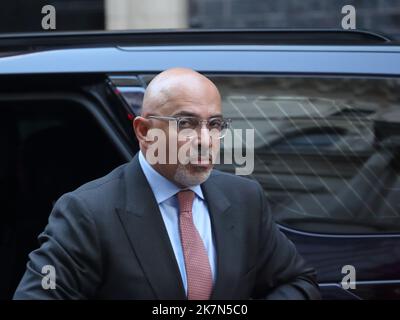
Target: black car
(324,106)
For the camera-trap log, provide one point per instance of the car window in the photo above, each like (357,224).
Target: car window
(326,150)
(49,147)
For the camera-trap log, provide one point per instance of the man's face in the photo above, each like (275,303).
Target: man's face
(201,101)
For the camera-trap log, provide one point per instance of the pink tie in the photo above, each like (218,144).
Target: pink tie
(198,270)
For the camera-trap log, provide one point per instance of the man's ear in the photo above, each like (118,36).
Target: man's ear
(141,126)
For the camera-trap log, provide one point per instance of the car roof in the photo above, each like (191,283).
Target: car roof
(243,51)
(190,37)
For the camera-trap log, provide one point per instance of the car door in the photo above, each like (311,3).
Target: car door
(326,154)
(62,132)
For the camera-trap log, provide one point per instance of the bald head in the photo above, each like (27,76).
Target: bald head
(178,86)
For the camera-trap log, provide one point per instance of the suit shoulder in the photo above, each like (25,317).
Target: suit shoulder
(103,182)
(97,194)
(244,192)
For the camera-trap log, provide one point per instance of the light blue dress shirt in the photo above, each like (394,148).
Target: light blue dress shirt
(165,193)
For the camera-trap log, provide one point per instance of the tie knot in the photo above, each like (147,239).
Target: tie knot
(185,199)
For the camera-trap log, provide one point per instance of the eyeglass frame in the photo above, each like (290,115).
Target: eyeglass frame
(201,121)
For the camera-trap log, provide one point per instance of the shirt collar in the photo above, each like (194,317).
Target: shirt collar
(162,188)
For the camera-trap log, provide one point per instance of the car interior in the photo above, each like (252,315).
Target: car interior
(49,148)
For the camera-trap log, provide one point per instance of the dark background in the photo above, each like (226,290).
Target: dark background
(26,16)
(375,15)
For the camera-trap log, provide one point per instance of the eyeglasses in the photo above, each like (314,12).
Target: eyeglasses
(216,124)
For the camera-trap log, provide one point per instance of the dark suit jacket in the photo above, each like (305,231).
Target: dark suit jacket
(107,240)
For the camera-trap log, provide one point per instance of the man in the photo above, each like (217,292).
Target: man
(177,230)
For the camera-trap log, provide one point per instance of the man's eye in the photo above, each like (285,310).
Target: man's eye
(187,123)
(215,124)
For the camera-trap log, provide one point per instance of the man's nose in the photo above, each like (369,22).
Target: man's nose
(205,137)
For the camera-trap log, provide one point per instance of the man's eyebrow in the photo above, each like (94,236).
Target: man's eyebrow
(185,113)
(191,114)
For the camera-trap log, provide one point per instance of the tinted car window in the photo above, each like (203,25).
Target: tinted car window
(48,148)
(326,149)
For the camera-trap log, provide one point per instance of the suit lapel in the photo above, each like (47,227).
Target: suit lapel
(148,237)
(144,226)
(223,224)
